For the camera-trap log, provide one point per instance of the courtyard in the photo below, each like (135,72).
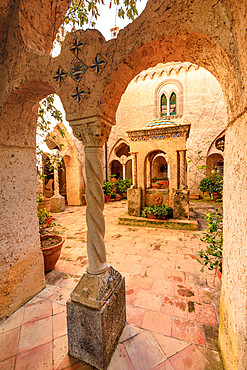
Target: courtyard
(172,307)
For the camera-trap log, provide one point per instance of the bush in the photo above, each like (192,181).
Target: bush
(123,185)
(157,211)
(212,183)
(108,188)
(45,221)
(213,236)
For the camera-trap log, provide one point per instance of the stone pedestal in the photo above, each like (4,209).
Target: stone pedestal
(96,316)
(181,204)
(134,197)
(57,203)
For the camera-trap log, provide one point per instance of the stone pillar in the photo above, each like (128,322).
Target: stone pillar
(149,174)
(182,173)
(57,200)
(124,171)
(134,170)
(96,310)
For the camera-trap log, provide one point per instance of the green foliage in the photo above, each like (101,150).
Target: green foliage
(213,236)
(212,183)
(123,185)
(160,179)
(80,11)
(108,188)
(45,221)
(40,198)
(157,211)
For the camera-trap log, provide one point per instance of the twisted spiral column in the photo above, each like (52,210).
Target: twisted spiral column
(56,179)
(134,169)
(94,214)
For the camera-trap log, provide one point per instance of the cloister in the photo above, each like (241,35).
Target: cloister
(90,75)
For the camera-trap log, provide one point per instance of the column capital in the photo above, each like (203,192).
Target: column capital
(93,131)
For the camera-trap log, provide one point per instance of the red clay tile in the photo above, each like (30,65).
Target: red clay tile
(166,365)
(155,272)
(135,315)
(80,366)
(8,343)
(174,275)
(188,359)
(131,294)
(37,311)
(7,364)
(174,306)
(144,352)
(14,321)
(57,308)
(61,296)
(203,313)
(162,286)
(67,361)
(35,334)
(169,345)
(37,358)
(148,300)
(158,322)
(60,350)
(59,324)
(140,282)
(188,330)
(120,359)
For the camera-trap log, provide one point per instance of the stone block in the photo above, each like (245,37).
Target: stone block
(181,204)
(57,203)
(93,334)
(134,197)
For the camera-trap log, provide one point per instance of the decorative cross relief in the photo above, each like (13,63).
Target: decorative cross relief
(78,69)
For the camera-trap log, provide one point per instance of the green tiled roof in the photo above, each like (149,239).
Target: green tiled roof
(160,122)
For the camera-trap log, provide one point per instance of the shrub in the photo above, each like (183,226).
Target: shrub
(157,211)
(123,185)
(212,183)
(108,188)
(45,221)
(213,236)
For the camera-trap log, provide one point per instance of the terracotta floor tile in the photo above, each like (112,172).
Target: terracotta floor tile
(155,272)
(166,365)
(208,295)
(169,345)
(190,358)
(67,361)
(188,330)
(203,313)
(144,352)
(187,291)
(133,258)
(7,364)
(8,343)
(157,322)
(35,334)
(47,292)
(80,366)
(61,296)
(174,275)
(148,300)
(211,335)
(129,332)
(58,308)
(68,282)
(213,357)
(140,282)
(131,295)
(135,315)
(174,306)
(37,358)
(137,268)
(59,324)
(60,350)
(14,321)
(162,286)
(120,360)
(37,311)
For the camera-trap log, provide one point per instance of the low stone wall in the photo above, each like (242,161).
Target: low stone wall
(157,197)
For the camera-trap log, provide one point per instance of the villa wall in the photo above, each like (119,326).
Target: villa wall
(203,107)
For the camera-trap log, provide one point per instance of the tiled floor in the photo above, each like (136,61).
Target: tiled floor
(172,308)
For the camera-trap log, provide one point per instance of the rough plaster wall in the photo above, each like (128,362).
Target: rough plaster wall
(234,289)
(21,260)
(203,108)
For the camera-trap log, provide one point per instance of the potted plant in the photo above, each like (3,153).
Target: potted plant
(212,184)
(118,197)
(43,203)
(122,186)
(213,236)
(157,212)
(108,190)
(51,244)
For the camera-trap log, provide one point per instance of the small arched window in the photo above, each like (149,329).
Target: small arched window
(163,105)
(173,104)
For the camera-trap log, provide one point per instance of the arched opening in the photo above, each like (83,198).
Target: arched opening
(160,167)
(116,169)
(128,169)
(215,162)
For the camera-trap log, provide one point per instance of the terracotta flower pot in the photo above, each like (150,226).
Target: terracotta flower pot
(118,197)
(153,217)
(107,199)
(156,186)
(215,196)
(124,195)
(52,254)
(165,182)
(194,196)
(219,273)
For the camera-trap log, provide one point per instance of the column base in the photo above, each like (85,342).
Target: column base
(134,197)
(96,317)
(57,203)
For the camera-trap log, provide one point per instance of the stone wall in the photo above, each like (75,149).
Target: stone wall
(202,106)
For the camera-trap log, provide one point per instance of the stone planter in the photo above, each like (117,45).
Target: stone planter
(45,204)
(52,254)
